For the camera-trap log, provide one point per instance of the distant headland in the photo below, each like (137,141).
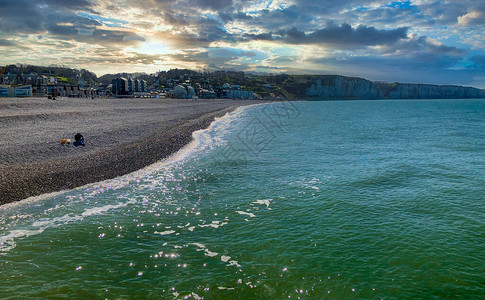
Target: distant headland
(184,83)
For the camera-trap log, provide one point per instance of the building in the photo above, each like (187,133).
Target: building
(17,91)
(136,85)
(206,94)
(179,92)
(131,86)
(143,86)
(120,86)
(235,92)
(190,91)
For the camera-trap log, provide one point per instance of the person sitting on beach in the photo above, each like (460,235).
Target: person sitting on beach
(79,140)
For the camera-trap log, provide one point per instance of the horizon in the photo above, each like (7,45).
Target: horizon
(247,73)
(423,41)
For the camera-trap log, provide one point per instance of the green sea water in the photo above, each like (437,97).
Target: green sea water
(299,200)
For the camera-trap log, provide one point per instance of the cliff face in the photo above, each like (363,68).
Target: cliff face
(340,87)
(427,91)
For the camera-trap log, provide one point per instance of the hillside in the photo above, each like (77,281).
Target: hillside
(63,74)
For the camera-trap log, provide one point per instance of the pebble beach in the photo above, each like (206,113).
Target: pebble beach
(121,136)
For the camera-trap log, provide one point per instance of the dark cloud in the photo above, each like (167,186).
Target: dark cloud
(225,17)
(62,30)
(395,69)
(25,16)
(259,37)
(68,4)
(242,16)
(334,35)
(58,19)
(101,37)
(422,48)
(213,4)
(6,43)
(20,17)
(416,59)
(174,18)
(345,35)
(239,16)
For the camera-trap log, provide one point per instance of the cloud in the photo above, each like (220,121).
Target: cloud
(327,6)
(214,58)
(62,30)
(433,71)
(278,35)
(345,35)
(20,17)
(336,36)
(272,20)
(260,37)
(71,4)
(214,4)
(112,36)
(475,17)
(6,43)
(23,16)
(421,49)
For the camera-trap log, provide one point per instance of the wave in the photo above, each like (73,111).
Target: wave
(33,215)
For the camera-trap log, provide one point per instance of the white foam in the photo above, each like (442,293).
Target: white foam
(214,224)
(166,232)
(266,202)
(7,242)
(246,213)
(101,210)
(210,253)
(54,222)
(207,252)
(234,263)
(198,245)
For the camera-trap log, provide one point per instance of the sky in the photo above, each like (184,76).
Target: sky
(422,41)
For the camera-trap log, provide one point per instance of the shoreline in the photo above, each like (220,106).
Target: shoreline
(63,172)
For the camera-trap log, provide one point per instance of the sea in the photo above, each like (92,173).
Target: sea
(286,200)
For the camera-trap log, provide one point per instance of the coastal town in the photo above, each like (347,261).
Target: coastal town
(15,82)
(54,81)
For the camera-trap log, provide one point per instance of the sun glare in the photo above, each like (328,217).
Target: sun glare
(151,47)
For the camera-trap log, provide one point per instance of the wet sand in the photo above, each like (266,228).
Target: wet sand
(121,136)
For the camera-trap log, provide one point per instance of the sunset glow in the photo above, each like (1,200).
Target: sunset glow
(428,41)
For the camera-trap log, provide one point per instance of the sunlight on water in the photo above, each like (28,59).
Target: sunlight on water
(364,199)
